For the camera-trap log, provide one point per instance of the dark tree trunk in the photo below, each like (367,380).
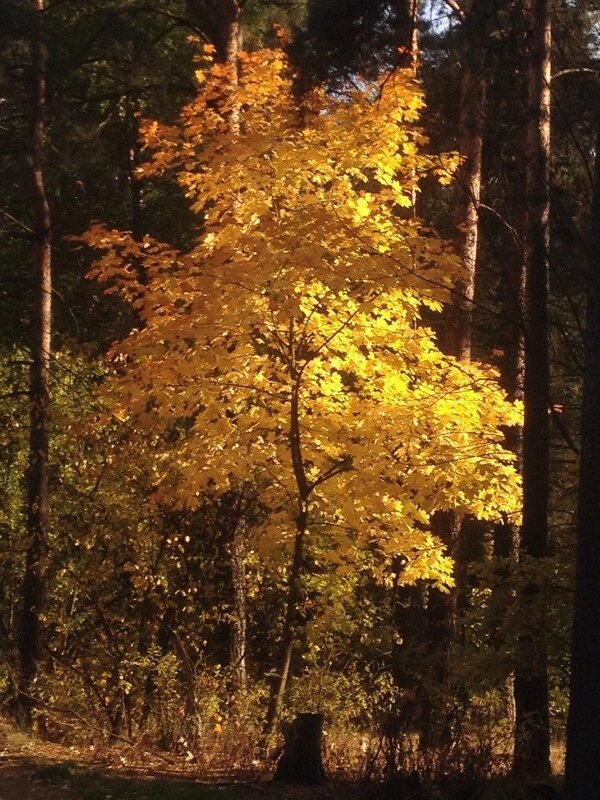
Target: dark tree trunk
(467,186)
(442,619)
(289,625)
(221,22)
(149,618)
(506,534)
(443,609)
(582,773)
(456,336)
(228,31)
(131,133)
(301,760)
(406,31)
(532,738)
(33,591)
(295,575)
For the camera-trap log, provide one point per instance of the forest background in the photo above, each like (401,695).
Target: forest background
(276,467)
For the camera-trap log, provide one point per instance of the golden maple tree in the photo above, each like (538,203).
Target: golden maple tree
(287,346)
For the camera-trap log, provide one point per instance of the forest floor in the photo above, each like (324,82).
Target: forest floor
(32,769)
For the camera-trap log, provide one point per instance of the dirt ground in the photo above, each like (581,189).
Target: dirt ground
(17,782)
(25,763)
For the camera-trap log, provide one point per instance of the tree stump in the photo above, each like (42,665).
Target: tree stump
(301,761)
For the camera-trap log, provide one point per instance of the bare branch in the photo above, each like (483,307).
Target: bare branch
(576,71)
(460,13)
(16,222)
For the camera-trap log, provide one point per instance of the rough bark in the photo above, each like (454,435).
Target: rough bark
(220,21)
(301,761)
(532,739)
(456,334)
(582,773)
(228,31)
(467,187)
(33,590)
(223,27)
(407,34)
(506,533)
(239,616)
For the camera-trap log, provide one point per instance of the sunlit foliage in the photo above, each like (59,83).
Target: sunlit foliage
(288,347)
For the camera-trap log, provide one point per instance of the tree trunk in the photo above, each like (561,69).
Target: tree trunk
(407,34)
(33,591)
(295,577)
(228,31)
(532,737)
(227,38)
(301,759)
(225,29)
(289,625)
(467,186)
(220,19)
(506,534)
(582,773)
(131,132)
(239,617)
(456,335)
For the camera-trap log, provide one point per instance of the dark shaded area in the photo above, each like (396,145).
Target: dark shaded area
(301,760)
(351,37)
(582,774)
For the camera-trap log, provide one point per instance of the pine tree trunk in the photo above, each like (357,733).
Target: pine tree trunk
(532,737)
(467,186)
(456,334)
(506,534)
(406,12)
(228,31)
(582,773)
(33,591)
